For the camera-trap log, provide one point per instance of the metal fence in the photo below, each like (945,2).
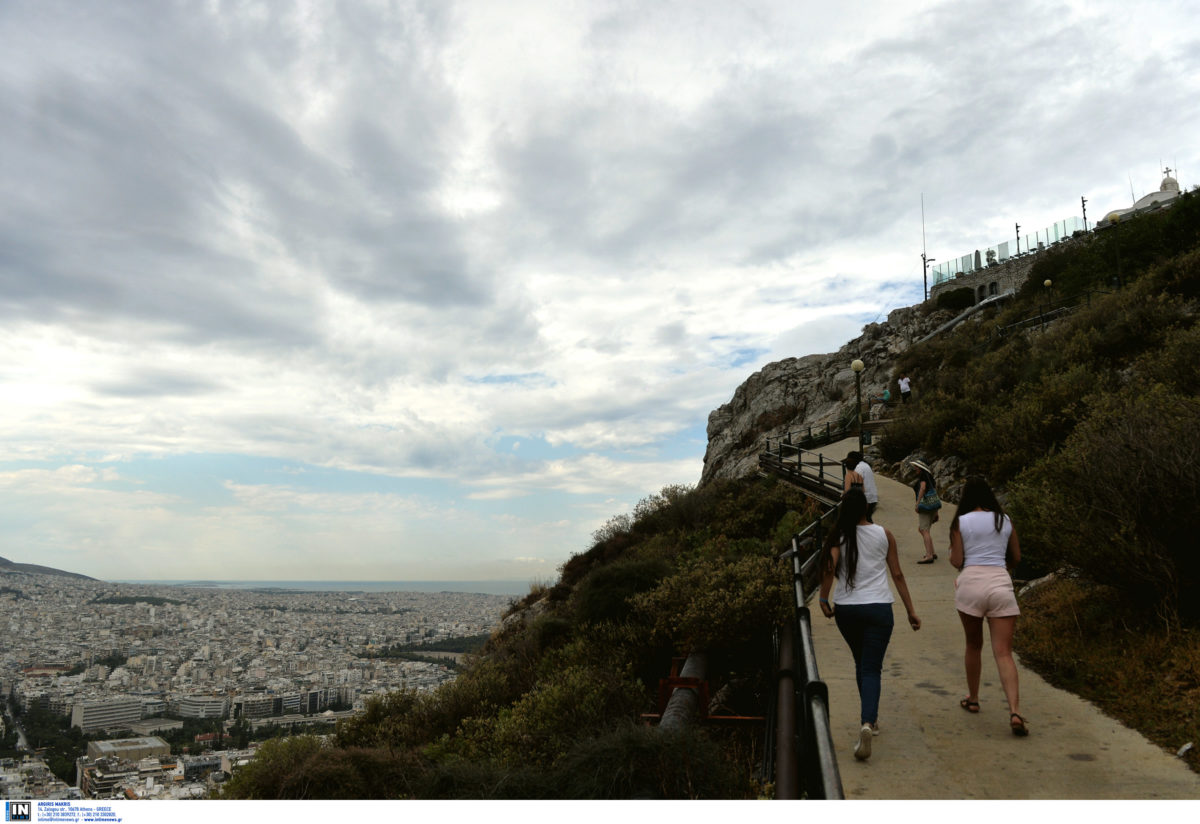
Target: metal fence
(1000,252)
(805,761)
(1051,310)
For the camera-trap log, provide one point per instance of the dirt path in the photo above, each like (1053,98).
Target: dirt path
(930,748)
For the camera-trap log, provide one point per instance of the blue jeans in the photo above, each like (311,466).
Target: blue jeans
(867,629)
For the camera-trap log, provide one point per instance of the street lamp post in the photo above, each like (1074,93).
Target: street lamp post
(1046,299)
(858,366)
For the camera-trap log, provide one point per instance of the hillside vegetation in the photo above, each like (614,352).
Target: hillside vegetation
(1086,423)
(1091,425)
(550,707)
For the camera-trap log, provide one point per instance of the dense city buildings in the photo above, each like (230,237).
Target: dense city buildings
(135,659)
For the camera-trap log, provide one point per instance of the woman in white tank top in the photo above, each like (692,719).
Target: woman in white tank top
(984,546)
(859,555)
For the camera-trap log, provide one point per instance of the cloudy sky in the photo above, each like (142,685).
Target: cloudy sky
(430,290)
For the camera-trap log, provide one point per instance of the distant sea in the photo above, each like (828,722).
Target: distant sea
(482,587)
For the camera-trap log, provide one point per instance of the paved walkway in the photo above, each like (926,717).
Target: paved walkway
(929,748)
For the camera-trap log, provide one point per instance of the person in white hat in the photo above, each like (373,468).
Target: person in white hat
(926,508)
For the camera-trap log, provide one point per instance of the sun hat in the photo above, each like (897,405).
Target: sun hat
(920,465)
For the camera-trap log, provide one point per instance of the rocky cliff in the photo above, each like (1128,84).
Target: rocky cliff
(795,393)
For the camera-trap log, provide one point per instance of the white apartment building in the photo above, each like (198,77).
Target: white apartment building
(201,706)
(106,713)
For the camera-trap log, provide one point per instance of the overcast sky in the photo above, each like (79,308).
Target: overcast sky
(430,290)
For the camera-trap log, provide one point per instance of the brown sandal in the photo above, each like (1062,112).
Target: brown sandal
(1018,724)
(969,705)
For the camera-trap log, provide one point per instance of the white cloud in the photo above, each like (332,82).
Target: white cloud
(509,255)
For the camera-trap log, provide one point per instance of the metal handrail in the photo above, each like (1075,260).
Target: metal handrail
(818,484)
(814,771)
(1053,310)
(827,434)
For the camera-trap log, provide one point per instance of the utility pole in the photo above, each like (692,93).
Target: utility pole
(1083,200)
(1018,238)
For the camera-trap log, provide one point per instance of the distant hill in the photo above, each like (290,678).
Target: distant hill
(36,569)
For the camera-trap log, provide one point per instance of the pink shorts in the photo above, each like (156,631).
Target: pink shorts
(985,592)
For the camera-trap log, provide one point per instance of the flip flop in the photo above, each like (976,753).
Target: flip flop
(928,560)
(1018,724)
(969,705)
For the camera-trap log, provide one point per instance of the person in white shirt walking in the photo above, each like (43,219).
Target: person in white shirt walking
(859,556)
(984,546)
(856,465)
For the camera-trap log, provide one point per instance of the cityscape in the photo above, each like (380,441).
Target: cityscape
(129,663)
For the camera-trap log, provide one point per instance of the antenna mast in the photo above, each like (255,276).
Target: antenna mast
(925,261)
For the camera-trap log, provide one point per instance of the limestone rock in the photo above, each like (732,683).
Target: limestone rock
(794,394)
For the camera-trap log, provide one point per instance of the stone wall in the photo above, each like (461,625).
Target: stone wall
(1008,276)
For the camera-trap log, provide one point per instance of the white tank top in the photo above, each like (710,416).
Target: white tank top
(982,544)
(870,573)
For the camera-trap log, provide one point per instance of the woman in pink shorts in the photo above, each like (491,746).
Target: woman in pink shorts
(984,546)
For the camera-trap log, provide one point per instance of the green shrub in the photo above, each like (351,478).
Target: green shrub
(929,425)
(790,524)
(1177,364)
(304,768)
(717,602)
(604,594)
(646,763)
(1035,421)
(381,722)
(459,779)
(1120,501)
(405,719)
(571,703)
(752,508)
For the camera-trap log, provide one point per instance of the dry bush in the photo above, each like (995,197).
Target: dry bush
(1088,639)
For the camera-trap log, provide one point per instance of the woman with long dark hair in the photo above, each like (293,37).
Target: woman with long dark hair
(859,555)
(984,546)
